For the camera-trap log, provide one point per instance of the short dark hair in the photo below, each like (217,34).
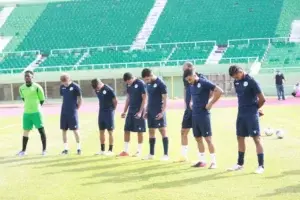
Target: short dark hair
(234,69)
(95,82)
(127,76)
(146,72)
(29,72)
(188,64)
(188,72)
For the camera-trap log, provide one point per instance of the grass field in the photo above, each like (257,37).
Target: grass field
(90,177)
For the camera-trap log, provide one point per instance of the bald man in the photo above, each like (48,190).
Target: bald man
(72,100)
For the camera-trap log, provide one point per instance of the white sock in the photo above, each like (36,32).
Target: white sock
(126,146)
(66,146)
(184,150)
(78,146)
(139,149)
(213,158)
(202,157)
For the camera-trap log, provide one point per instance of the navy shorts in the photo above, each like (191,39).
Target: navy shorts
(106,120)
(133,124)
(69,122)
(154,123)
(201,125)
(187,121)
(248,125)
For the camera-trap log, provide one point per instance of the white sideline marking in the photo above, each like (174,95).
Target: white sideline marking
(8,126)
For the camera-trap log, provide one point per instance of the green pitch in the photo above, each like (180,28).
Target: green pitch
(90,177)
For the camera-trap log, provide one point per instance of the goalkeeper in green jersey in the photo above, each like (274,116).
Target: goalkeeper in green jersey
(33,96)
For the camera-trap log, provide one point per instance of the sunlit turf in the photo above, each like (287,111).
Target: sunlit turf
(90,177)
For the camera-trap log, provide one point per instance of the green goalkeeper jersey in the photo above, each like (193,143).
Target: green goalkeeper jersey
(32,95)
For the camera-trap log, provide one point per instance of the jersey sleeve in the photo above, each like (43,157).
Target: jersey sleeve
(208,84)
(142,88)
(112,92)
(40,93)
(163,88)
(255,86)
(78,91)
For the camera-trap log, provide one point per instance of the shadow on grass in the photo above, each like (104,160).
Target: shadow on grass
(285,190)
(286,173)
(98,166)
(185,182)
(15,159)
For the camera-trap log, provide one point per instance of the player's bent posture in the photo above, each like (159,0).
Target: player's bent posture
(107,105)
(135,101)
(156,111)
(186,124)
(71,102)
(250,100)
(200,90)
(33,96)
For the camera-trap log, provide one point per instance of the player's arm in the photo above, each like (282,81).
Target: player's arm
(260,95)
(214,90)
(283,79)
(164,103)
(126,104)
(21,94)
(41,95)
(114,99)
(79,97)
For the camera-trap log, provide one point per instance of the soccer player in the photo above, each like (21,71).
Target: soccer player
(250,100)
(107,105)
(186,124)
(156,111)
(33,96)
(72,101)
(200,90)
(136,100)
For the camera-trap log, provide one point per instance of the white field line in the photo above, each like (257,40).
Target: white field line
(8,126)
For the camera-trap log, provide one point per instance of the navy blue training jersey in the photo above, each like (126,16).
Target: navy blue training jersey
(247,90)
(135,92)
(155,91)
(187,90)
(106,95)
(70,94)
(200,91)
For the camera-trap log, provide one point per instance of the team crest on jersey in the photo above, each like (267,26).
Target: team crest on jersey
(155,85)
(237,83)
(245,84)
(104,92)
(71,88)
(198,85)
(136,86)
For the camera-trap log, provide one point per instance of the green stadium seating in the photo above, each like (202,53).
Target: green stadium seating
(87,23)
(198,20)
(16,62)
(283,54)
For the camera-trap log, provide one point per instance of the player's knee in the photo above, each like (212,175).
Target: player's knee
(208,140)
(42,130)
(199,139)
(184,132)
(257,140)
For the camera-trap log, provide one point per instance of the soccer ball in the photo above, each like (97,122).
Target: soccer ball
(279,134)
(269,132)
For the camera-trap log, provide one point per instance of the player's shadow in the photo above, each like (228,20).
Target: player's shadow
(135,177)
(185,182)
(285,190)
(59,159)
(98,166)
(286,173)
(120,173)
(20,159)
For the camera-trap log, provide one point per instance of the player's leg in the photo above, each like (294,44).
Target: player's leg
(27,127)
(205,124)
(186,125)
(77,138)
(152,141)
(199,139)
(242,132)
(102,142)
(165,140)
(127,129)
(111,143)
(254,131)
(140,137)
(278,91)
(282,92)
(110,126)
(139,126)
(64,127)
(38,123)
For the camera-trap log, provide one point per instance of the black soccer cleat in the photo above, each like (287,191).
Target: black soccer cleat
(78,152)
(65,152)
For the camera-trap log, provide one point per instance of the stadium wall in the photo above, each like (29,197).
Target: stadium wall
(172,76)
